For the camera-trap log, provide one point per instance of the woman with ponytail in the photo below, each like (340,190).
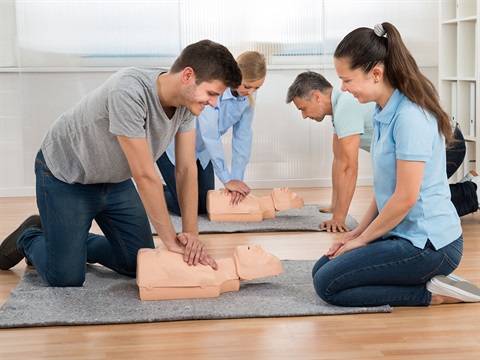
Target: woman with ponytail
(235,109)
(410,239)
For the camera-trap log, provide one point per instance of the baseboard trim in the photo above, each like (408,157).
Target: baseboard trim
(254,184)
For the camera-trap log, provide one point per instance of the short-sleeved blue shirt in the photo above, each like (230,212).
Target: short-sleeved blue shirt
(351,117)
(405,131)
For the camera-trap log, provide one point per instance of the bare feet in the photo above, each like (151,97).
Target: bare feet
(439,299)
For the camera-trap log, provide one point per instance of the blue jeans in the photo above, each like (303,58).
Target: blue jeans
(206,181)
(62,249)
(385,272)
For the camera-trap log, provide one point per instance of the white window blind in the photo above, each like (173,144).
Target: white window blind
(298,33)
(282,30)
(97,32)
(120,32)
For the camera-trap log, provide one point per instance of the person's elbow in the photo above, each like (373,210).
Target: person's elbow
(406,201)
(186,170)
(145,179)
(410,201)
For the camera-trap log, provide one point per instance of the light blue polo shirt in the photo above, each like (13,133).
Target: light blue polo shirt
(351,117)
(405,131)
(232,112)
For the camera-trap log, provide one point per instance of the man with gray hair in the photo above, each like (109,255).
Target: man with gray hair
(316,98)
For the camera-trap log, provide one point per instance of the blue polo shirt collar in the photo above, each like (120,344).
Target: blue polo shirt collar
(386,114)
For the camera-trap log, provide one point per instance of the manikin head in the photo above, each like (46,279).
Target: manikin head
(253,262)
(284,199)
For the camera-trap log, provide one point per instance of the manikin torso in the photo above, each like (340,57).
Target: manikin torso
(163,275)
(252,208)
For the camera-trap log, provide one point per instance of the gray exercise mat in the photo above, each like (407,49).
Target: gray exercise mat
(308,218)
(110,298)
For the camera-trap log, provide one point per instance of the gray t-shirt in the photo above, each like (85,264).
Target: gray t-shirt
(82,146)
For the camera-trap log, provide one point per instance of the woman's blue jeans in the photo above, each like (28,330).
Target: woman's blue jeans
(62,249)
(206,182)
(385,272)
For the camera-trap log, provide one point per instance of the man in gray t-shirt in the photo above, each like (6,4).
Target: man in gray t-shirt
(316,98)
(90,154)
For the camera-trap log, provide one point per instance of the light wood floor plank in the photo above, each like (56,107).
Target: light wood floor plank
(436,332)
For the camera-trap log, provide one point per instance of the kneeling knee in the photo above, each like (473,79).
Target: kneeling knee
(321,288)
(66,281)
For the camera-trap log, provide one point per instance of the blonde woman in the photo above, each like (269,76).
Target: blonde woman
(235,109)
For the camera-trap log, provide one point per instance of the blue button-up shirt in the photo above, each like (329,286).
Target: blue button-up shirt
(230,112)
(404,131)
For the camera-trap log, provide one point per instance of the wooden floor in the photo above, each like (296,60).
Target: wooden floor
(436,332)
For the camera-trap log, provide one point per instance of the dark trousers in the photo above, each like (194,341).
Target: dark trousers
(206,181)
(463,195)
(455,152)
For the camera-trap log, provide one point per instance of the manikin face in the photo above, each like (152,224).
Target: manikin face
(314,108)
(249,87)
(355,81)
(196,97)
(285,194)
(253,262)
(284,198)
(253,253)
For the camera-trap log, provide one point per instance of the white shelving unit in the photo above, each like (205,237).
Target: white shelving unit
(459,73)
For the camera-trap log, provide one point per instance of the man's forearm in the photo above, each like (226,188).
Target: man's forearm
(346,181)
(151,193)
(187,190)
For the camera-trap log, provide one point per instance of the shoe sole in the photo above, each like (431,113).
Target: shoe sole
(456,278)
(9,258)
(454,286)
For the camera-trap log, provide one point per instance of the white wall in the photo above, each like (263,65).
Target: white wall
(30,102)
(287,150)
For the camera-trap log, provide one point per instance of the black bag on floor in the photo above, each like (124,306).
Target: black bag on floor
(456,152)
(464,197)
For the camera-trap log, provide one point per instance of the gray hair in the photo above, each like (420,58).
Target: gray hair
(305,83)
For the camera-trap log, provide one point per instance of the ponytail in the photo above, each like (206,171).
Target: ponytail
(365,48)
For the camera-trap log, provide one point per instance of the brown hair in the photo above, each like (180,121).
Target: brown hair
(365,49)
(210,61)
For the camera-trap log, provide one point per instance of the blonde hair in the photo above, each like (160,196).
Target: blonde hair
(253,66)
